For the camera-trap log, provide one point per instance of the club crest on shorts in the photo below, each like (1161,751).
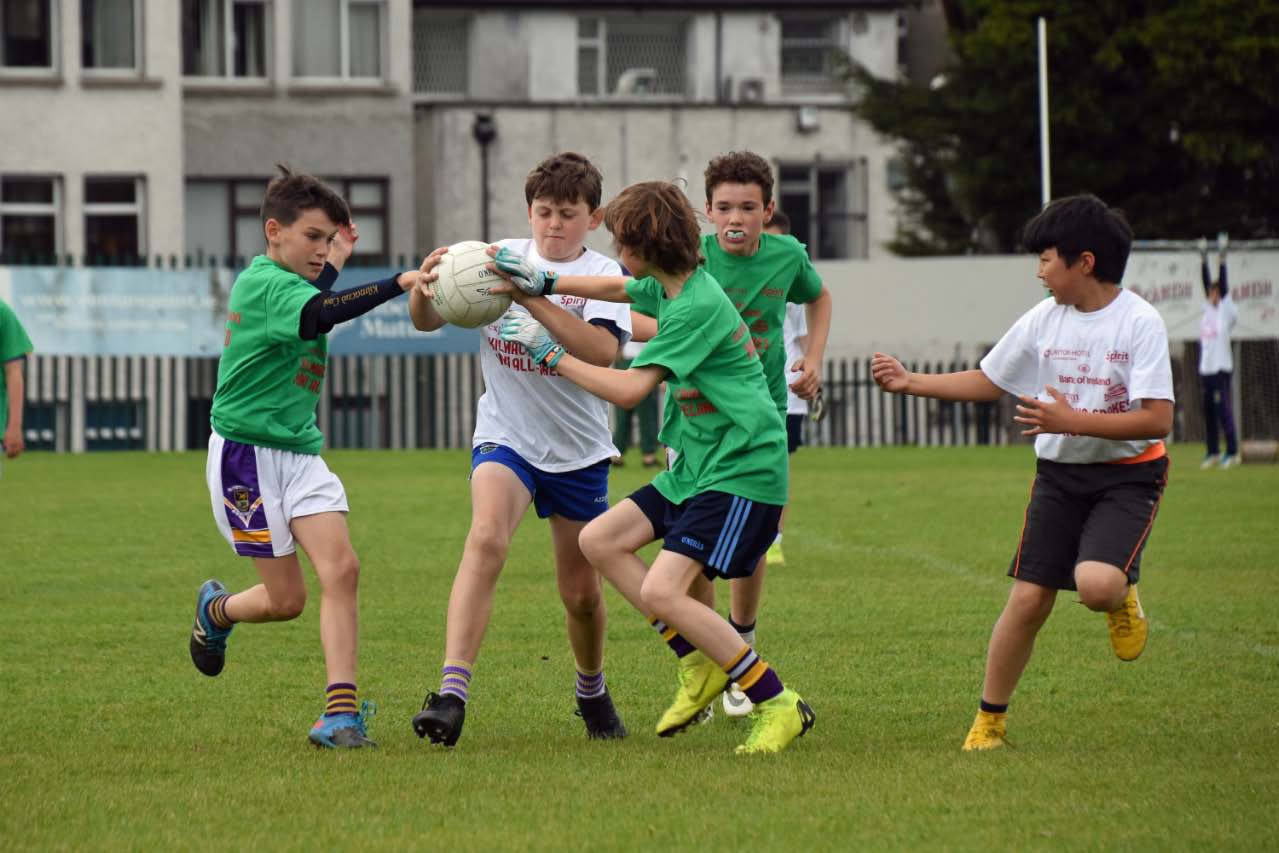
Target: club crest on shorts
(242,503)
(487,447)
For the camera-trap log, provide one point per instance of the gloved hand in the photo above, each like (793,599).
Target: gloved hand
(524,275)
(537,342)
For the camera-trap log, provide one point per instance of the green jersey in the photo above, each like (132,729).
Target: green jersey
(760,285)
(720,419)
(14,343)
(269,379)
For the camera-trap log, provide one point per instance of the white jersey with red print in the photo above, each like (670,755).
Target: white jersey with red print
(1102,361)
(552,423)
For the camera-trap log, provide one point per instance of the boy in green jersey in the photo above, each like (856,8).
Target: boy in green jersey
(268,486)
(716,508)
(14,348)
(761,273)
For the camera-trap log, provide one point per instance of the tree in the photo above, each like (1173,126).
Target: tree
(1164,109)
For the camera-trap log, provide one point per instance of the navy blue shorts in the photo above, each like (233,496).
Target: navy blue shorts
(723,532)
(794,432)
(576,495)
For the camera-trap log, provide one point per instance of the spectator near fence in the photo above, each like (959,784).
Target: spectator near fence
(1216,361)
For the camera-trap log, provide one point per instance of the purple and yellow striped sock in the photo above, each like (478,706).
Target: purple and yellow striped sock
(340,699)
(754,677)
(590,684)
(680,646)
(456,679)
(216,611)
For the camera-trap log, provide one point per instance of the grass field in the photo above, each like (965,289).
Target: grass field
(895,574)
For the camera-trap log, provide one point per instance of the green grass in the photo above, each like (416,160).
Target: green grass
(895,574)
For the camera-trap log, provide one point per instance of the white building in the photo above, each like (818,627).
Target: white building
(149,127)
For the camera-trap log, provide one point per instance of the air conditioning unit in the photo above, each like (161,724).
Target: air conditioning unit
(637,81)
(750,90)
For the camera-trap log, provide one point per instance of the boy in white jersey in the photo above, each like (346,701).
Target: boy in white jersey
(1090,367)
(538,439)
(1216,361)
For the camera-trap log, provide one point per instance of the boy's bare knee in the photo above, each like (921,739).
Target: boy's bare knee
(581,603)
(593,542)
(1101,586)
(288,605)
(487,542)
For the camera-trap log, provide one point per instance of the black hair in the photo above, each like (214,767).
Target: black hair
(1078,224)
(780,221)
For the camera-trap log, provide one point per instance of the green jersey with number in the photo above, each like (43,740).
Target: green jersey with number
(14,344)
(720,417)
(760,285)
(269,379)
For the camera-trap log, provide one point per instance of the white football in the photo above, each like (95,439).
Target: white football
(462,295)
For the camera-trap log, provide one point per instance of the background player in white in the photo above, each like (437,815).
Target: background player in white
(1216,361)
(538,439)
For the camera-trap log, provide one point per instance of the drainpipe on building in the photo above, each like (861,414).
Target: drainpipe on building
(484,129)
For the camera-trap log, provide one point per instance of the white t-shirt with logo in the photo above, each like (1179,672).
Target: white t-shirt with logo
(794,327)
(552,423)
(1102,361)
(1214,336)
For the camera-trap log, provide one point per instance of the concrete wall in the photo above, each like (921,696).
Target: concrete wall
(335,129)
(628,143)
(78,122)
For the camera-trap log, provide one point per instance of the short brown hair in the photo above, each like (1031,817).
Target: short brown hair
(740,167)
(290,193)
(654,220)
(567,177)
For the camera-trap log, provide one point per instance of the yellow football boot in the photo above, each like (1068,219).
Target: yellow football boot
(988,732)
(700,681)
(1128,627)
(778,722)
(775,557)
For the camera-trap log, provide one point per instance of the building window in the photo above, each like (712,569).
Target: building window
(631,55)
(109,34)
(827,205)
(441,52)
(813,49)
(367,199)
(225,38)
(338,38)
(113,220)
(224,218)
(26,34)
(29,231)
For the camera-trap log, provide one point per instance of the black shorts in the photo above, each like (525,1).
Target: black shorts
(723,532)
(794,432)
(1082,512)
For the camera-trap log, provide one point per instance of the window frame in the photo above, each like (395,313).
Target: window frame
(228,38)
(53,209)
(342,185)
(856,213)
(38,72)
(838,33)
(136,208)
(344,47)
(599,42)
(139,52)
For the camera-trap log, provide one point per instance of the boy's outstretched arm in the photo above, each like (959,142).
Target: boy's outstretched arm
(327,309)
(972,385)
(528,279)
(422,299)
(810,365)
(1148,418)
(625,388)
(587,341)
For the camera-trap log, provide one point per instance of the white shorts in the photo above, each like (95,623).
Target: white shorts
(256,491)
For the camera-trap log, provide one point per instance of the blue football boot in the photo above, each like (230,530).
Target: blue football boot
(344,731)
(208,642)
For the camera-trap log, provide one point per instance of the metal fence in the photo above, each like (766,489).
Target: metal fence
(79,403)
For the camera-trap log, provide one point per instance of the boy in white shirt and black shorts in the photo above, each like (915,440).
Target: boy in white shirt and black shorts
(538,439)
(1090,367)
